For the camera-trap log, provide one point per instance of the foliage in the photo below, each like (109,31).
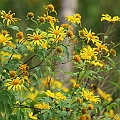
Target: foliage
(30,88)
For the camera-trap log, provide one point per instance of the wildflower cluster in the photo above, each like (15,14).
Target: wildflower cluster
(30,87)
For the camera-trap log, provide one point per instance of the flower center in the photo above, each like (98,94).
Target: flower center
(37,37)
(9,16)
(15,81)
(2,39)
(56,32)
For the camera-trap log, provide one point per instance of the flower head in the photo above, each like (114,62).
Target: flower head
(56,33)
(87,53)
(30,15)
(8,17)
(20,35)
(60,96)
(12,73)
(50,19)
(50,94)
(88,95)
(50,8)
(42,106)
(38,38)
(88,35)
(15,84)
(76,18)
(5,38)
(109,18)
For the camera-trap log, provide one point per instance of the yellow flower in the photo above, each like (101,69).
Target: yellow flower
(41,19)
(4,32)
(76,18)
(42,106)
(50,94)
(87,53)
(109,18)
(67,26)
(101,46)
(88,95)
(20,35)
(31,116)
(24,67)
(30,15)
(69,33)
(88,35)
(8,17)
(76,58)
(37,38)
(104,95)
(98,63)
(73,81)
(59,49)
(32,95)
(56,33)
(4,39)
(60,96)
(50,8)
(15,84)
(6,55)
(50,19)
(113,52)
(90,106)
(12,73)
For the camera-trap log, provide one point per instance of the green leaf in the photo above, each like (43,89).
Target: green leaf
(65,49)
(22,48)
(14,27)
(77,49)
(29,29)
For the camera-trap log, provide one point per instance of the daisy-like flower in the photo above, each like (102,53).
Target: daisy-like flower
(88,95)
(5,39)
(42,106)
(101,47)
(109,18)
(76,18)
(98,63)
(50,94)
(56,33)
(8,17)
(37,38)
(50,19)
(88,35)
(60,96)
(15,84)
(87,53)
